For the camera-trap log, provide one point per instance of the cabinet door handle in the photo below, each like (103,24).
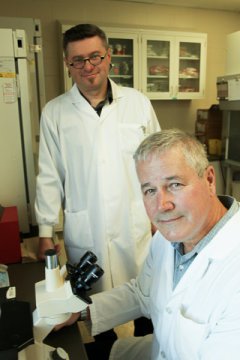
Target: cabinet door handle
(173,92)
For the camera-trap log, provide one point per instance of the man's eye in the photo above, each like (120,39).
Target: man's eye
(175,186)
(94,56)
(78,60)
(149,192)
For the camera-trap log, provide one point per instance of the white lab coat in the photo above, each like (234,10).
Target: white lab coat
(200,319)
(85,162)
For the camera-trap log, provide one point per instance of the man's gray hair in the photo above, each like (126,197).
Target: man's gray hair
(156,143)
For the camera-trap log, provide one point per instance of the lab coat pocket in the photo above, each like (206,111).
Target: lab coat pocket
(131,136)
(190,334)
(77,231)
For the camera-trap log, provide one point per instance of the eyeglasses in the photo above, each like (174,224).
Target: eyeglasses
(79,62)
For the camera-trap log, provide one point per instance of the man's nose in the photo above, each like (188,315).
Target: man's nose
(165,201)
(88,65)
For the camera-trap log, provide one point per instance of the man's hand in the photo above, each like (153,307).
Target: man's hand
(73,318)
(46,244)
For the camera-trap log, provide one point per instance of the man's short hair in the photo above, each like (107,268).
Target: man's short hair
(81,32)
(156,143)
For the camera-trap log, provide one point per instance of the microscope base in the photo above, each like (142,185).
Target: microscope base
(40,351)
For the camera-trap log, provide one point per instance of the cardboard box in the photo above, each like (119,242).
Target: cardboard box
(10,248)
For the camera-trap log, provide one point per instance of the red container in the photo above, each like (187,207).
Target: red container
(10,249)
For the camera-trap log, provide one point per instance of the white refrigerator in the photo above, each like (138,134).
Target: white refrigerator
(17,166)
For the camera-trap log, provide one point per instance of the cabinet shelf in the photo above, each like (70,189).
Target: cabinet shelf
(190,58)
(158,76)
(188,77)
(122,76)
(158,57)
(121,56)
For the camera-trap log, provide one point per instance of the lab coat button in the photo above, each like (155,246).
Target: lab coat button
(169,310)
(163,354)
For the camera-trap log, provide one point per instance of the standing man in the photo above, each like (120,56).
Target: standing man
(87,140)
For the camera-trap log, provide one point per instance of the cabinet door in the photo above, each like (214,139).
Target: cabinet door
(191,55)
(157,62)
(173,65)
(124,49)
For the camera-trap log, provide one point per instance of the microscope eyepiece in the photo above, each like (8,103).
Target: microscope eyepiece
(87,259)
(51,260)
(90,276)
(84,274)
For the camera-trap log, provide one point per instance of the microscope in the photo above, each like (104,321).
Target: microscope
(63,292)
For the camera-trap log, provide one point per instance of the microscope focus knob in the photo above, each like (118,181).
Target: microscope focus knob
(59,354)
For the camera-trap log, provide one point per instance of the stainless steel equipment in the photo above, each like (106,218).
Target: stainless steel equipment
(21,99)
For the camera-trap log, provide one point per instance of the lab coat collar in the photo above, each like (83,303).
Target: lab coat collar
(116,90)
(225,242)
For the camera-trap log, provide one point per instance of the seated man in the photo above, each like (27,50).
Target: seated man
(190,282)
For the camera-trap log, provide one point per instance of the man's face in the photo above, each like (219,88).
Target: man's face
(178,202)
(90,78)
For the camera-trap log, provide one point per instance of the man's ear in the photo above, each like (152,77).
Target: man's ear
(68,67)
(211,178)
(109,55)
